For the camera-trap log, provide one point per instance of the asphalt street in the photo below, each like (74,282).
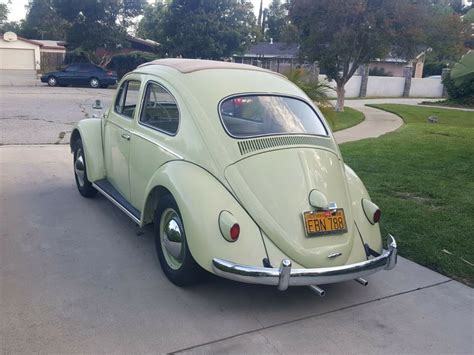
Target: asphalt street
(45,115)
(77,276)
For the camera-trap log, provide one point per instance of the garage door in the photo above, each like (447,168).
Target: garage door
(17,59)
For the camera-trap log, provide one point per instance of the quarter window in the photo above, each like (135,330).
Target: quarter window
(160,110)
(127,98)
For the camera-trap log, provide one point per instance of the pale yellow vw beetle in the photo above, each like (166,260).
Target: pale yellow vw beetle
(238,171)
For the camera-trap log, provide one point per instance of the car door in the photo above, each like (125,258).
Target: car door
(117,136)
(69,75)
(155,137)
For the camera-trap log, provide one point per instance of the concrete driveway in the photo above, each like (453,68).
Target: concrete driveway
(76,276)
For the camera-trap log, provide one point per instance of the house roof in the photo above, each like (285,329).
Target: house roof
(272,50)
(48,44)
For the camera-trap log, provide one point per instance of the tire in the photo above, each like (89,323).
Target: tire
(104,86)
(80,171)
(52,81)
(175,259)
(94,83)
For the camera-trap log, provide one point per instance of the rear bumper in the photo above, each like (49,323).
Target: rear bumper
(285,276)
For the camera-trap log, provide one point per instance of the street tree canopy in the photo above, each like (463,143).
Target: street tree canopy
(343,34)
(210,29)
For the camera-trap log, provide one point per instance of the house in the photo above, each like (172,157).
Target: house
(25,57)
(276,56)
(395,66)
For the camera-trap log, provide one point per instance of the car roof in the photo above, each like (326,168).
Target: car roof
(186,66)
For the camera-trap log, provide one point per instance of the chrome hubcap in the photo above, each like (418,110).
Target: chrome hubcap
(172,238)
(79,167)
(94,83)
(52,81)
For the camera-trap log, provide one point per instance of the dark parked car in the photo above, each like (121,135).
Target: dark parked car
(81,74)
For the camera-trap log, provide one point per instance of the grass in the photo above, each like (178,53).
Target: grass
(342,120)
(422,177)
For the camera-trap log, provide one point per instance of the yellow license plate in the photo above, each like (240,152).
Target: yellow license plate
(324,222)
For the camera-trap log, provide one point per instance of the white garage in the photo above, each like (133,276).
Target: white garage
(19,59)
(18,53)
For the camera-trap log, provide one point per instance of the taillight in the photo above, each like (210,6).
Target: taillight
(228,226)
(235,232)
(377,215)
(371,211)
(110,73)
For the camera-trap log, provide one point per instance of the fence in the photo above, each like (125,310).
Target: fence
(390,86)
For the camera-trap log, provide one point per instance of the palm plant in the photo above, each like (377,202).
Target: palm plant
(317,90)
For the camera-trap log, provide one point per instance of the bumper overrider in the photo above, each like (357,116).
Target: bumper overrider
(285,276)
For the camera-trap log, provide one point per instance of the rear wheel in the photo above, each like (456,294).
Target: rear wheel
(80,171)
(94,83)
(52,81)
(172,248)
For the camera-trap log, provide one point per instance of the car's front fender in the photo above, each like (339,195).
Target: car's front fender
(90,132)
(370,233)
(201,198)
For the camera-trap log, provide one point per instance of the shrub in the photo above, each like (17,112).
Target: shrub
(462,92)
(317,90)
(125,62)
(77,56)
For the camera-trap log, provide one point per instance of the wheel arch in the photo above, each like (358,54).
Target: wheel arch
(90,133)
(201,198)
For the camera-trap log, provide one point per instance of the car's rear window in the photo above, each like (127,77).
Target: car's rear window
(258,115)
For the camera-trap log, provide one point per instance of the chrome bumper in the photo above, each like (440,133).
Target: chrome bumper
(286,276)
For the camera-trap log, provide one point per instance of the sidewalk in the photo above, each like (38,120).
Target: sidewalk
(376,123)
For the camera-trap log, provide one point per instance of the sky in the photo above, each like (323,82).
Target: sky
(18,12)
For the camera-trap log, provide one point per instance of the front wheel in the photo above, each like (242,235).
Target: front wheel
(94,83)
(80,171)
(52,81)
(172,248)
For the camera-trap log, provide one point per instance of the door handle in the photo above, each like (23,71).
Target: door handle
(126,136)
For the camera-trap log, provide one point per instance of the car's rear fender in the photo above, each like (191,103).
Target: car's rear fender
(90,132)
(201,198)
(370,233)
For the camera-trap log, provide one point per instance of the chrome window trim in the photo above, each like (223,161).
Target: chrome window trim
(144,124)
(326,128)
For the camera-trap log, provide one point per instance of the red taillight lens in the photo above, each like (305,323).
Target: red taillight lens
(377,215)
(235,232)
(110,73)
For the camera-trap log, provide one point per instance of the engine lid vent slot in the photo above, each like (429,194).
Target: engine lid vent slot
(253,145)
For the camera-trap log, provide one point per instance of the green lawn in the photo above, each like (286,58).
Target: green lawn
(422,177)
(342,120)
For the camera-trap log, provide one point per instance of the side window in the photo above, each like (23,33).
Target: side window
(160,110)
(127,98)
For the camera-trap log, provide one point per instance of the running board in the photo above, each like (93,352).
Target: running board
(105,188)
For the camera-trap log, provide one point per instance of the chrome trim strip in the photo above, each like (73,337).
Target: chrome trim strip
(306,277)
(116,203)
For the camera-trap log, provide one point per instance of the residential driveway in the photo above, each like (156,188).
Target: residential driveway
(77,276)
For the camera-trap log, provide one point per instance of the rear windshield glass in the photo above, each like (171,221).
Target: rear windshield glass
(258,115)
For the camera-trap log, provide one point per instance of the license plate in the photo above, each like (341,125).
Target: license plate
(324,222)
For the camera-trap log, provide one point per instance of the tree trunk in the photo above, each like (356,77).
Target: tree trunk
(341,92)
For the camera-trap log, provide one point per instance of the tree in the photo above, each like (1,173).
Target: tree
(43,22)
(151,25)
(3,13)
(343,34)
(98,23)
(212,29)
(276,21)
